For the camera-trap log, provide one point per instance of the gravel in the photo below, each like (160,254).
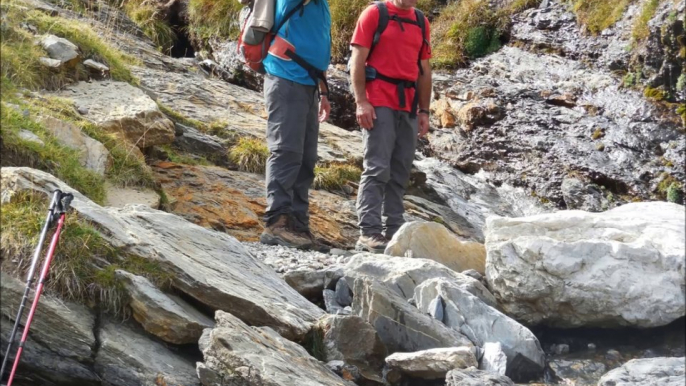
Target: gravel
(284,259)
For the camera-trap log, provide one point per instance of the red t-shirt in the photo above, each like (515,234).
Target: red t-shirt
(394,56)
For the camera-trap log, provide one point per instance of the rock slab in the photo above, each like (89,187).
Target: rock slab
(434,363)
(647,372)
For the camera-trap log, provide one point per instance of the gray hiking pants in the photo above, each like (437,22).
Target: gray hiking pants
(388,154)
(292,130)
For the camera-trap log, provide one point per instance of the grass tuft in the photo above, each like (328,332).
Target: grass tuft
(597,15)
(335,176)
(84,263)
(149,20)
(250,154)
(640,30)
(654,93)
(213,19)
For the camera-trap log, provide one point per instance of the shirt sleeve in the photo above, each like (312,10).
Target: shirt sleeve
(426,51)
(366,27)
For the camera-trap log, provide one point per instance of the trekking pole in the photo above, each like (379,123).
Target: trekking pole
(59,212)
(29,280)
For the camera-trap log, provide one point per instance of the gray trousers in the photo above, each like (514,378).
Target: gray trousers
(292,130)
(388,154)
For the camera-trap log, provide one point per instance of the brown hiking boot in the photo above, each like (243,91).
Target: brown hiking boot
(282,232)
(375,243)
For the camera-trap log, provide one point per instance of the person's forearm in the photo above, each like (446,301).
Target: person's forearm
(357,76)
(424,87)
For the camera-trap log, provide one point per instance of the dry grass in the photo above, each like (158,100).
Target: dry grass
(335,176)
(597,15)
(250,155)
(640,30)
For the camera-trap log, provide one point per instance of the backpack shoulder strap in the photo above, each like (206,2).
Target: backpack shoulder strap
(288,16)
(383,21)
(421,22)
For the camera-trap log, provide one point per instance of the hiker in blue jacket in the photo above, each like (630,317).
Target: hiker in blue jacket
(297,101)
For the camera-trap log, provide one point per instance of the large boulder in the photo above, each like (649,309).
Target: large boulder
(210,267)
(434,363)
(403,274)
(164,315)
(401,327)
(126,357)
(237,354)
(61,49)
(647,372)
(623,267)
(433,241)
(123,110)
(481,323)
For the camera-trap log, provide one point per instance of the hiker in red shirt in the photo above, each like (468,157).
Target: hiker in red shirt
(391,79)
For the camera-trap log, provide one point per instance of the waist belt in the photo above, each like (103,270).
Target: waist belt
(401,85)
(314,73)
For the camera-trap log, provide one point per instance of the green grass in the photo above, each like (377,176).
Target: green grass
(180,158)
(125,169)
(597,15)
(52,157)
(84,263)
(19,57)
(640,29)
(520,5)
(466,30)
(655,94)
(213,19)
(250,155)
(147,17)
(675,193)
(334,176)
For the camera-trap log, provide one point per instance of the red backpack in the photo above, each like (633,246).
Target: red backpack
(254,44)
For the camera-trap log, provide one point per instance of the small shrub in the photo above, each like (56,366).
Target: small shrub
(597,15)
(640,30)
(675,193)
(629,80)
(333,177)
(250,154)
(465,30)
(681,83)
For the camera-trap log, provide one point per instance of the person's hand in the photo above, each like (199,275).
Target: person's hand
(423,124)
(365,115)
(324,109)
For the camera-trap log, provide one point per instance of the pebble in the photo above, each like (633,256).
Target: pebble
(591,346)
(284,259)
(613,355)
(561,349)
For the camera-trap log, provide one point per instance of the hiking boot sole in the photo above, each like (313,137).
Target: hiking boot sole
(268,239)
(364,248)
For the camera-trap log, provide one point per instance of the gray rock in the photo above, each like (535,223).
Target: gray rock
(613,355)
(42,366)
(554,268)
(29,136)
(481,323)
(344,295)
(332,307)
(355,342)
(128,357)
(472,273)
(647,372)
(474,377)
(577,371)
(308,283)
(96,68)
(403,274)
(434,363)
(66,328)
(61,49)
(494,359)
(561,349)
(198,143)
(50,63)
(436,308)
(123,110)
(93,154)
(578,195)
(165,316)
(401,327)
(258,356)
(215,269)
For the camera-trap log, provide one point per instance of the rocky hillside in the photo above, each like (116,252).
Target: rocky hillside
(545,240)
